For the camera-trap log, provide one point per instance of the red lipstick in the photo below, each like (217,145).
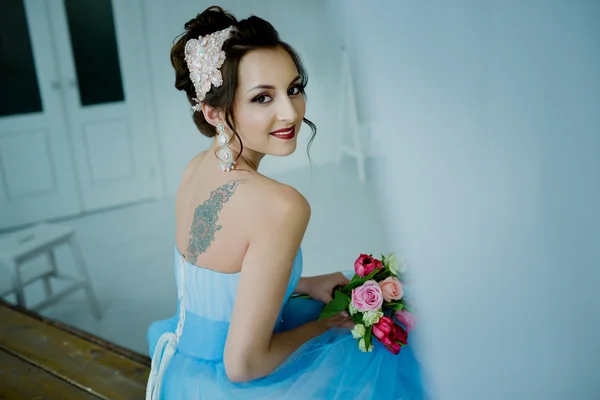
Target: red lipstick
(285,133)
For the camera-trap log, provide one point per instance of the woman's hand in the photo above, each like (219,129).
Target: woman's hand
(341,320)
(321,287)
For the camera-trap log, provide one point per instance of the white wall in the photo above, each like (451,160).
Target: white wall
(301,24)
(487,114)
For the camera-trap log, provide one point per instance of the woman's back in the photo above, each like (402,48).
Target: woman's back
(208,202)
(231,204)
(215,223)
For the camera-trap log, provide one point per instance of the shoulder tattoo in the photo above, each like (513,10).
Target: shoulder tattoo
(206,215)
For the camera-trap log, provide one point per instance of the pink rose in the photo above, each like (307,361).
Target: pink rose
(367,297)
(366,264)
(406,318)
(391,288)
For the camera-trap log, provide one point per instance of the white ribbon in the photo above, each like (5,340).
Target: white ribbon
(163,354)
(166,346)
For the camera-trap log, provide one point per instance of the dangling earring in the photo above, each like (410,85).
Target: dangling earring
(224,154)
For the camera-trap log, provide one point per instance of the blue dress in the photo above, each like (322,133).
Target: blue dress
(187,351)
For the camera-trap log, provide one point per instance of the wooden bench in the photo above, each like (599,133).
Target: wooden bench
(45,359)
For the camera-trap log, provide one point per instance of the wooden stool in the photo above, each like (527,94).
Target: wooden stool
(41,240)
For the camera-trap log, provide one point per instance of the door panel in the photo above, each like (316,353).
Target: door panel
(75,119)
(103,62)
(37,181)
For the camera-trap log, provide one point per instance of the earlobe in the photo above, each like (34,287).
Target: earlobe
(211,114)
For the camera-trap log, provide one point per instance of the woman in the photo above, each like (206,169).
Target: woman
(237,334)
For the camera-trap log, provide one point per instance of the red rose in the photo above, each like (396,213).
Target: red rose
(392,335)
(366,264)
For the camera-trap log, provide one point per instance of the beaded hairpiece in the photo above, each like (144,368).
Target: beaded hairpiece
(204,56)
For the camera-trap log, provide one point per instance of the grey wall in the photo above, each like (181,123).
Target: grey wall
(487,117)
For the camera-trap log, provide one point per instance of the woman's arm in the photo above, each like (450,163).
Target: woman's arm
(302,287)
(321,287)
(252,350)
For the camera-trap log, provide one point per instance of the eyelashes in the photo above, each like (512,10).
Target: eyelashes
(292,91)
(260,99)
(300,88)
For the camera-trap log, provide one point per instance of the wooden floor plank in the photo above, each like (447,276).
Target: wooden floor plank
(93,368)
(20,380)
(127,353)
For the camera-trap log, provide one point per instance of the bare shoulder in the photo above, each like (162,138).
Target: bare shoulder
(274,200)
(192,166)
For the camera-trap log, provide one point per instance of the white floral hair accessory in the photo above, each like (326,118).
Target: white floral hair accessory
(204,56)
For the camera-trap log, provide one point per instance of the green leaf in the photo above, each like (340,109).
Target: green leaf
(353,283)
(409,307)
(358,281)
(394,306)
(382,274)
(334,307)
(372,274)
(368,338)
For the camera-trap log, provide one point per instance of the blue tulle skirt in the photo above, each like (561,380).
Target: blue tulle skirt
(328,367)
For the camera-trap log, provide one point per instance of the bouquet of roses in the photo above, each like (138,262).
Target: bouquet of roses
(374,298)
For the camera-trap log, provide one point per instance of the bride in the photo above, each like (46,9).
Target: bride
(238,332)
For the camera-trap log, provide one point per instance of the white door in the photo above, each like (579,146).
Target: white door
(102,51)
(37,179)
(75,123)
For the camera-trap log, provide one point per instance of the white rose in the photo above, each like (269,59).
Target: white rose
(395,266)
(371,317)
(351,309)
(358,331)
(362,347)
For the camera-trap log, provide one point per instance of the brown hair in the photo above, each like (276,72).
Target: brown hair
(248,34)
